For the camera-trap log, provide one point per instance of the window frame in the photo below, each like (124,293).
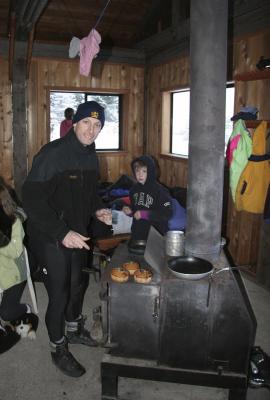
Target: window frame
(167,121)
(123,111)
(171,122)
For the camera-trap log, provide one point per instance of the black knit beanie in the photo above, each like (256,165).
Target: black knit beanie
(90,109)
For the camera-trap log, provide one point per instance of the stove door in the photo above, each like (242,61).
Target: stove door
(184,336)
(134,320)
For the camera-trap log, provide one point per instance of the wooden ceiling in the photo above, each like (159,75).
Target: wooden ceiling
(154,27)
(123,24)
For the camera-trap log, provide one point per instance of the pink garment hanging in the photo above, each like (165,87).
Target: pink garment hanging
(89,48)
(231,147)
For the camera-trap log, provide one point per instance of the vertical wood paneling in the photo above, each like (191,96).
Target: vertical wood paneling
(32,112)
(242,228)
(170,76)
(6,144)
(64,74)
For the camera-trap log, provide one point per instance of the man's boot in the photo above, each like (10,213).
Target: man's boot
(77,334)
(65,361)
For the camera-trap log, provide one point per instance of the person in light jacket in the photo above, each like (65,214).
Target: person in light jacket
(13,269)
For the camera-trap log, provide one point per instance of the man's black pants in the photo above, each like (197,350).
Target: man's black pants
(64,281)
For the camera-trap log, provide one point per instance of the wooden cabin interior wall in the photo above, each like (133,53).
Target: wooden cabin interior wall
(138,83)
(242,229)
(6,147)
(48,74)
(160,79)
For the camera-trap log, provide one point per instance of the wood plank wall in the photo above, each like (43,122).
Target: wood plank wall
(6,145)
(242,228)
(63,74)
(161,78)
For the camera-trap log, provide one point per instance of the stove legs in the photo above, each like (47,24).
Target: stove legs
(237,394)
(113,367)
(109,385)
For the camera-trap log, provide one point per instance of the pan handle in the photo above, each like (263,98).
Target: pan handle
(217,271)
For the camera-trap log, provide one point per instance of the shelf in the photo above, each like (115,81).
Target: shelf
(250,124)
(252,75)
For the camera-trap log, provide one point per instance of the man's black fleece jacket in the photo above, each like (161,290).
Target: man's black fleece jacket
(60,192)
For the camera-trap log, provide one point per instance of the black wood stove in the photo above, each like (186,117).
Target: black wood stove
(197,332)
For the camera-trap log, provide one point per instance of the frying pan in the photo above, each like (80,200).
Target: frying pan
(192,268)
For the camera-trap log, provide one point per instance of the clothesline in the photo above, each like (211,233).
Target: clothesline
(101,14)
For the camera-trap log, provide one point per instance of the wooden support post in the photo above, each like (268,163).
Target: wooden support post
(19,121)
(29,51)
(11,45)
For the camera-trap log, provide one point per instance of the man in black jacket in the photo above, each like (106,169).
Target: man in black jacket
(60,197)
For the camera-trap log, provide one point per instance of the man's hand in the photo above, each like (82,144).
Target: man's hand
(104,215)
(73,240)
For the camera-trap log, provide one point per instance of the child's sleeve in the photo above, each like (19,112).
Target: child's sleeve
(163,212)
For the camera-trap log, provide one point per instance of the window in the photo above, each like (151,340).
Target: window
(180,119)
(180,122)
(109,137)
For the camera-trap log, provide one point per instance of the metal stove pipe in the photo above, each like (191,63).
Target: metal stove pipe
(208,58)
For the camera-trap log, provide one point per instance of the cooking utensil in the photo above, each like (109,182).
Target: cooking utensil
(137,246)
(193,268)
(154,253)
(174,243)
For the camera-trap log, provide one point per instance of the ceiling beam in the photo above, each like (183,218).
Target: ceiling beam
(58,51)
(175,40)
(23,17)
(27,14)
(153,14)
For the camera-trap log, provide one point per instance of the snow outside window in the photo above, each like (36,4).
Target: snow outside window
(180,119)
(109,137)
